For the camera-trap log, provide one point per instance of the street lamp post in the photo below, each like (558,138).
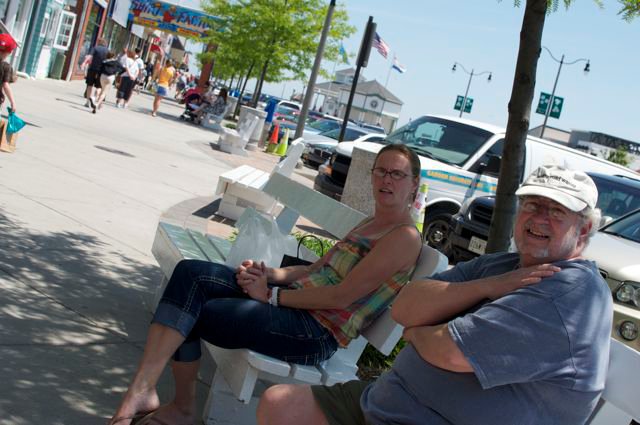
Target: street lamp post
(471,75)
(587,68)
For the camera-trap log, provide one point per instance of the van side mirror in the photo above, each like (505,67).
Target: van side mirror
(492,166)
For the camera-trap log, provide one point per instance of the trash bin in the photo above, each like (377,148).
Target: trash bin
(232,102)
(55,71)
(248,112)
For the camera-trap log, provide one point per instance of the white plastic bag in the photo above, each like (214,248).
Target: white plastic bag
(259,239)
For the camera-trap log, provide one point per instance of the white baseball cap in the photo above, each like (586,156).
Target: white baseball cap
(572,189)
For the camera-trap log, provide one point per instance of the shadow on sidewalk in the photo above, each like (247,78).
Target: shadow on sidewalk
(72,324)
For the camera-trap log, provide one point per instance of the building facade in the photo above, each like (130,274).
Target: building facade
(372,102)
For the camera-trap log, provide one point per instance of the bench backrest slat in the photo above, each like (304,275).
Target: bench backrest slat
(331,215)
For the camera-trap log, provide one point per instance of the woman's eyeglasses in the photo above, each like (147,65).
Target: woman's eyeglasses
(395,174)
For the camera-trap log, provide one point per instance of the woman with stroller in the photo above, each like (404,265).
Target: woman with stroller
(317,308)
(216,108)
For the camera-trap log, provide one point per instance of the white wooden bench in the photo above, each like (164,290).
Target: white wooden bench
(237,371)
(242,187)
(233,141)
(620,402)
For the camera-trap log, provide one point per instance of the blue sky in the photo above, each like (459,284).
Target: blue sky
(429,36)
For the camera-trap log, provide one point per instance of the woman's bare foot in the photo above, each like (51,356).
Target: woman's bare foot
(133,405)
(170,414)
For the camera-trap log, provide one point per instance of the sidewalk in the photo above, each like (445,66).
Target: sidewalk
(79,203)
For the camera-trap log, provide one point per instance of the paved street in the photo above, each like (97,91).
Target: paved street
(79,203)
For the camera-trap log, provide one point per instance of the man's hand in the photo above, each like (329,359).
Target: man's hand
(499,286)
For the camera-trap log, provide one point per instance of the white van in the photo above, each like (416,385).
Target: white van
(460,160)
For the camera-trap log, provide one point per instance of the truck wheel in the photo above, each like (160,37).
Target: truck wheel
(436,230)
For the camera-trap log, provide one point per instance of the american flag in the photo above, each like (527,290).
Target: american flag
(379,44)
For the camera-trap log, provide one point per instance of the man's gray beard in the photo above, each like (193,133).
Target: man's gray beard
(565,248)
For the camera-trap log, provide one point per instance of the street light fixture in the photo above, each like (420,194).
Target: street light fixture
(471,75)
(586,70)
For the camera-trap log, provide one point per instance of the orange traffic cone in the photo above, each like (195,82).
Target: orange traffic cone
(273,140)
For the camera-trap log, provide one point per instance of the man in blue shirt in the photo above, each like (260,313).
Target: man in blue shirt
(506,338)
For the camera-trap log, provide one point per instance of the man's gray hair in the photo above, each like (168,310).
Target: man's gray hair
(593,216)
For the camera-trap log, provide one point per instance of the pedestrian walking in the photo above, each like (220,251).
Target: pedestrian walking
(127,80)
(93,63)
(7,45)
(141,69)
(166,76)
(110,68)
(148,74)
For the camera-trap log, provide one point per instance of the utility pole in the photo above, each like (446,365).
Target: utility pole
(314,71)
(587,68)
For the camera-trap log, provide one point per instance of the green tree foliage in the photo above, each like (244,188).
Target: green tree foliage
(619,156)
(283,34)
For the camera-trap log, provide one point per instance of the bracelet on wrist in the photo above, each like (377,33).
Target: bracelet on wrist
(274,297)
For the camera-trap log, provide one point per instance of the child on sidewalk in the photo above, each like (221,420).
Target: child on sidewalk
(7,45)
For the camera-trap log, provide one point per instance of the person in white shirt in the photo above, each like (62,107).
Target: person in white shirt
(127,80)
(141,70)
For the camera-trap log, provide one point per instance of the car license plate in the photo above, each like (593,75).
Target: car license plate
(477,245)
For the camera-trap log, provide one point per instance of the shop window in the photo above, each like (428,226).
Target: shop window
(64,31)
(44,29)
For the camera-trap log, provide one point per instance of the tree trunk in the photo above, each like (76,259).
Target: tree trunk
(233,77)
(517,126)
(207,68)
(263,74)
(244,86)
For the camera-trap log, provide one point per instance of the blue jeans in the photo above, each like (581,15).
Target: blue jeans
(203,301)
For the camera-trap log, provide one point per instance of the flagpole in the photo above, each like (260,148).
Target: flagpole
(384,100)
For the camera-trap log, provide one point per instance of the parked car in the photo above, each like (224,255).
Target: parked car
(373,128)
(622,273)
(319,147)
(460,160)
(322,125)
(466,236)
(290,105)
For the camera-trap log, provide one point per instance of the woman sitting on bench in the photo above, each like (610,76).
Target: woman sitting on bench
(322,307)
(217,108)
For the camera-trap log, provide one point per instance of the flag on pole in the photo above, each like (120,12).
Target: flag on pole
(343,53)
(380,45)
(398,66)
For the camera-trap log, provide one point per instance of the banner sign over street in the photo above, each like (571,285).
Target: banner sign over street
(168,17)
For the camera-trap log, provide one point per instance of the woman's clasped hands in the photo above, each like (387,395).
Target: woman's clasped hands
(252,278)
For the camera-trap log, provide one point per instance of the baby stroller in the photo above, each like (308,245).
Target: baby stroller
(192,99)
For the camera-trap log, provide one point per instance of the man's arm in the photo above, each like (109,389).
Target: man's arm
(432,302)
(435,345)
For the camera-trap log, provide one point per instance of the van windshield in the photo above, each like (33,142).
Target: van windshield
(441,139)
